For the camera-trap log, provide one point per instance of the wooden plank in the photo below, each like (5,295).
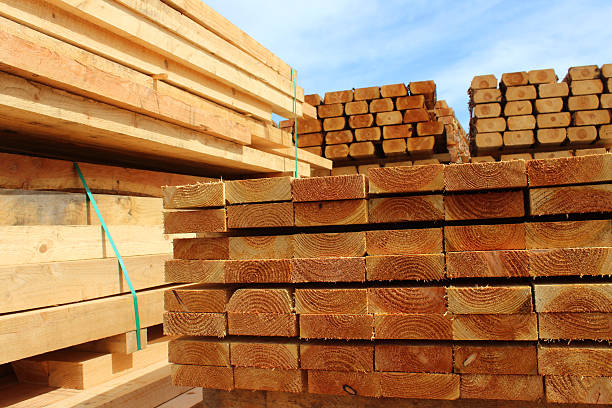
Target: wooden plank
(574,170)
(23,102)
(551,137)
(262,324)
(400,242)
(581,134)
(575,326)
(410,102)
(573,298)
(75,242)
(515,108)
(515,78)
(476,206)
(414,358)
(522,122)
(553,90)
(196,300)
(591,361)
(356,108)
(258,271)
(549,105)
(261,247)
(426,300)
(502,387)
(343,383)
(510,358)
(406,179)
(489,300)
(323,245)
(329,188)
(572,199)
(195,324)
(484,82)
(412,208)
(583,102)
(337,357)
(373,133)
(270,301)
(198,351)
(496,327)
(420,385)
(339,151)
(426,267)
(194,195)
(201,248)
(37,173)
(329,111)
(484,237)
(39,331)
(265,215)
(485,176)
(221,378)
(487,110)
(195,271)
(264,355)
(553,120)
(381,105)
(310,139)
(542,76)
(330,124)
(413,326)
(518,93)
(362,94)
(416,115)
(578,389)
(570,262)
(328,270)
(487,95)
(488,141)
(29,286)
(591,117)
(586,87)
(336,326)
(124,343)
(339,97)
(362,149)
(331,301)
(258,190)
(542,235)
(341,212)
(552,155)
(482,264)
(393,90)
(207,220)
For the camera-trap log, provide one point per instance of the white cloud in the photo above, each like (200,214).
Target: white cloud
(340,44)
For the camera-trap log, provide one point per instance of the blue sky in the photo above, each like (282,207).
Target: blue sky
(342,44)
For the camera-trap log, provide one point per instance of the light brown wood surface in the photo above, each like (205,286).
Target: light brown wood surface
(201,248)
(261,247)
(549,105)
(502,387)
(329,111)
(258,190)
(262,324)
(330,301)
(406,179)
(489,300)
(575,170)
(481,264)
(196,300)
(198,351)
(484,237)
(194,195)
(414,358)
(195,324)
(573,298)
(553,120)
(406,300)
(578,389)
(393,90)
(568,234)
(339,137)
(575,326)
(338,97)
(496,327)
(336,326)
(484,82)
(372,133)
(362,149)
(476,206)
(398,209)
(207,220)
(220,378)
(592,361)
(581,134)
(551,137)
(264,354)
(505,358)
(571,199)
(356,108)
(420,385)
(360,121)
(338,382)
(481,176)
(410,102)
(413,326)
(487,110)
(350,269)
(519,93)
(426,267)
(416,115)
(409,241)
(553,90)
(570,261)
(542,76)
(591,117)
(329,188)
(337,357)
(258,270)
(267,215)
(324,245)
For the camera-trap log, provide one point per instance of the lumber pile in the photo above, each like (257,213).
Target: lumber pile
(446,282)
(531,115)
(370,127)
(166,85)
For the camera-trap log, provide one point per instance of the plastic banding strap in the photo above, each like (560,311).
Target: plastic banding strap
(119,259)
(294,80)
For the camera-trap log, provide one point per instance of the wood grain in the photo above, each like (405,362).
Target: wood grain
(509,358)
(496,327)
(570,170)
(262,354)
(201,248)
(337,357)
(343,383)
(575,326)
(475,206)
(344,244)
(331,301)
(195,271)
(413,208)
(262,324)
(573,297)
(414,358)
(502,387)
(269,301)
(590,361)
(194,195)
(196,300)
(336,326)
(570,262)
(426,267)
(420,385)
(249,378)
(341,212)
(261,247)
(484,237)
(329,188)
(267,215)
(196,351)
(489,300)
(258,271)
(485,176)
(412,326)
(194,324)
(571,199)
(328,269)
(406,179)
(208,220)
(578,389)
(220,378)
(399,242)
(406,300)
(568,234)
(482,264)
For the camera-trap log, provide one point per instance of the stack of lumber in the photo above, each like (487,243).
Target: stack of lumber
(166,85)
(437,281)
(369,127)
(531,115)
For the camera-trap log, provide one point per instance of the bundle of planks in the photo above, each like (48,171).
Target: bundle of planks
(378,125)
(531,115)
(414,282)
(164,85)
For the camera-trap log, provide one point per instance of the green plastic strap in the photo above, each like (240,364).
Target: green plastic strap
(110,239)
(293,79)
